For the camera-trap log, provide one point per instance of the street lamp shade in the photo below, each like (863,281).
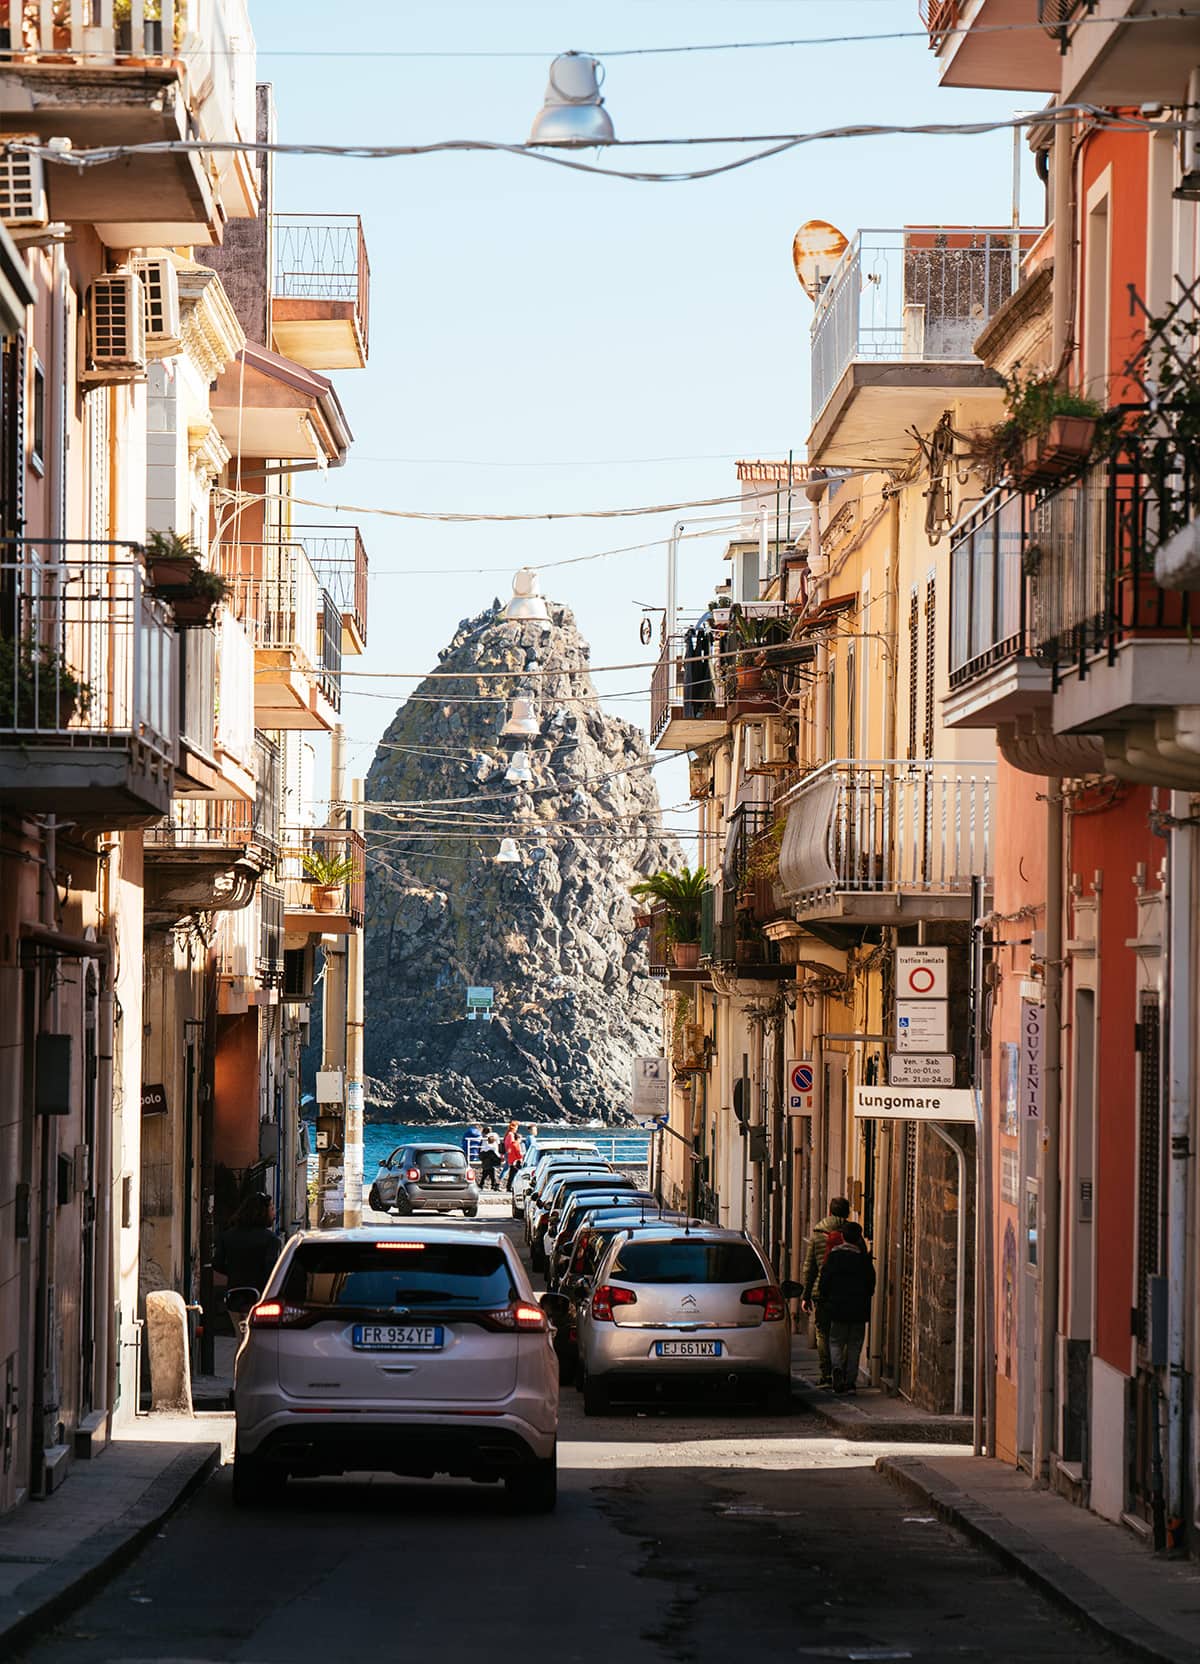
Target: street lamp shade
(519,772)
(508,852)
(527,604)
(573,114)
(522,722)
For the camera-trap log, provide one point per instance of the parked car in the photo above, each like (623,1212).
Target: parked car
(563,1219)
(552,1167)
(425,1178)
(537,1151)
(417,1352)
(547,1186)
(560,1193)
(678,1314)
(590,1245)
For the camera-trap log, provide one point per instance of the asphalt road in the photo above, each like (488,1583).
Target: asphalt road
(676,1538)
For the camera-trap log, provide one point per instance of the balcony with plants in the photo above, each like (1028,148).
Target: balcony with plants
(88,684)
(324,881)
(734,663)
(673,907)
(321,296)
(71,67)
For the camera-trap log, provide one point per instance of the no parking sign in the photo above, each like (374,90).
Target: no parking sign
(800,1087)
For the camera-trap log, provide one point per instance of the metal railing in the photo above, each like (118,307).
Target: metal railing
(887,827)
(87,656)
(939,17)
(329,641)
(275,593)
(324,258)
(268,792)
(990,592)
(690,683)
(1091,547)
(227,823)
(334,843)
(918,294)
(270,935)
(340,562)
(197,651)
(747,824)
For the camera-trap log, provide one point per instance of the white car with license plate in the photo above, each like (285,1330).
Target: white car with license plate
(539,1151)
(414,1350)
(685,1313)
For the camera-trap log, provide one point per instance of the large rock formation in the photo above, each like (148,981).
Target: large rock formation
(552,933)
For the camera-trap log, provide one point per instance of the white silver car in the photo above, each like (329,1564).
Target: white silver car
(682,1314)
(539,1151)
(417,1350)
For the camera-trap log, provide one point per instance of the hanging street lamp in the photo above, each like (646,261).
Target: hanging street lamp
(522,721)
(573,114)
(519,772)
(508,854)
(527,605)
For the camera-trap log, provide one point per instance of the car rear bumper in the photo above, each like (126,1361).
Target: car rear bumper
(448,1198)
(483,1449)
(763,1351)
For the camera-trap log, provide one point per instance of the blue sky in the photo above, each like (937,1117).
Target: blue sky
(532,330)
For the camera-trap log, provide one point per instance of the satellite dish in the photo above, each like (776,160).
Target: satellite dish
(645,631)
(816,249)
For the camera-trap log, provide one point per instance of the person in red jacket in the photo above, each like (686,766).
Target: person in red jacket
(514,1151)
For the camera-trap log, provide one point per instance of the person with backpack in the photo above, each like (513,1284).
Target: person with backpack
(844,1291)
(814,1260)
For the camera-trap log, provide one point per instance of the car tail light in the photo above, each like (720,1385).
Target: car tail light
(606,1297)
(276,1314)
(523,1316)
(470,1175)
(769,1298)
(413,1173)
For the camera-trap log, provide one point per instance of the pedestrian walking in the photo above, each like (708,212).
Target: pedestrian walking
(844,1291)
(514,1150)
(490,1160)
(814,1261)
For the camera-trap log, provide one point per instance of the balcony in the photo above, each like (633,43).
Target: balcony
(207,855)
(321,299)
(732,942)
(72,71)
(340,562)
(893,337)
(887,842)
(216,703)
(346,910)
(1115,59)
(687,699)
(661,953)
(294,630)
(88,686)
(987,43)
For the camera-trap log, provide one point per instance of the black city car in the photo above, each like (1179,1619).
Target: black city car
(425,1178)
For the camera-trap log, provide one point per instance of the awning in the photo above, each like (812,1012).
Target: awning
(268,406)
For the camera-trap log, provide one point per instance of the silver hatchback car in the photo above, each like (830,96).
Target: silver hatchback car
(685,1314)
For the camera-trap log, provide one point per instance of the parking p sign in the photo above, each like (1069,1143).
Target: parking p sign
(800,1087)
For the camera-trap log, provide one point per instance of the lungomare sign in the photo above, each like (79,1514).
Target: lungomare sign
(914,1103)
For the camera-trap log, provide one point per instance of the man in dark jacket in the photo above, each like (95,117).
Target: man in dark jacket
(844,1293)
(814,1260)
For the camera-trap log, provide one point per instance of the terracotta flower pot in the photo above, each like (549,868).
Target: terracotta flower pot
(686,955)
(326,898)
(1063,449)
(171,571)
(749,679)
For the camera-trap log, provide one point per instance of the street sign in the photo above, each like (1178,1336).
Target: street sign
(800,1092)
(1033,1020)
(921,973)
(914,1103)
(922,1026)
(921,1069)
(651,1084)
(479,1004)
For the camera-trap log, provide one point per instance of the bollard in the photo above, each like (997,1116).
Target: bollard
(167,1343)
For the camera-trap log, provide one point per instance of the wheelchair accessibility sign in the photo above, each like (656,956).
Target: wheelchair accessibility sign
(800,1088)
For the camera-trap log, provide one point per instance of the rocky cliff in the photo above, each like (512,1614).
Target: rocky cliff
(552,932)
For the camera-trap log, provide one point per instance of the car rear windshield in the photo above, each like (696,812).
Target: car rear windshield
(372,1275)
(429,1159)
(688,1262)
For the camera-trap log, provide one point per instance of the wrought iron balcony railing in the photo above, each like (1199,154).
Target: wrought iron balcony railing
(87,656)
(228,824)
(324,257)
(340,562)
(275,592)
(685,681)
(990,592)
(333,843)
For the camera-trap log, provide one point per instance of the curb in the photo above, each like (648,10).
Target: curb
(1053,1576)
(49,1595)
(853,1421)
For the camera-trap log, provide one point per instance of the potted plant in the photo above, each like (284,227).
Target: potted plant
(197,605)
(681,893)
(328,875)
(750,638)
(1058,431)
(38,688)
(172,562)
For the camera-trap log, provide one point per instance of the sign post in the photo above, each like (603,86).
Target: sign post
(651,1086)
(800,1092)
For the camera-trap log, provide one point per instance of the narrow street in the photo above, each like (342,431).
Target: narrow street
(676,1538)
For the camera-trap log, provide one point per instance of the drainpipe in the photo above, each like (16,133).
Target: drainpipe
(960,1262)
(984,1406)
(1046,1396)
(1180,997)
(106,1337)
(1062,292)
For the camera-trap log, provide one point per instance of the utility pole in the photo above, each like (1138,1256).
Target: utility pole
(353,1207)
(331,1091)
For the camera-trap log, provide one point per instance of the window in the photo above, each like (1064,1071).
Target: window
(380,1278)
(37,435)
(684,1261)
(430,1161)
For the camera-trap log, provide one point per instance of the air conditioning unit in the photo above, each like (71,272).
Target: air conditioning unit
(162,304)
(23,191)
(116,327)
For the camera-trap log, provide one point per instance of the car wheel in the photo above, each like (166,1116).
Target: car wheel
(596,1400)
(534,1489)
(777,1400)
(373,1198)
(255,1485)
(471,1213)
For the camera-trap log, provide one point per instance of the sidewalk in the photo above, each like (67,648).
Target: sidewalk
(53,1554)
(870,1413)
(1097,1570)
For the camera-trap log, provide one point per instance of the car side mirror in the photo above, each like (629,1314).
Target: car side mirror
(792,1290)
(555,1306)
(240,1300)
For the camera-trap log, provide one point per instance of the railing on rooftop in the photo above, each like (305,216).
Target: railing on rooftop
(324,257)
(340,562)
(990,594)
(1091,547)
(887,827)
(87,656)
(920,294)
